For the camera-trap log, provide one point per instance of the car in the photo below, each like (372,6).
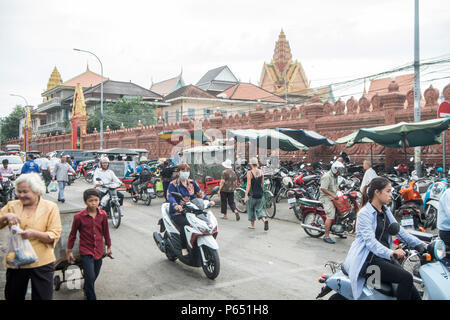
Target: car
(15,162)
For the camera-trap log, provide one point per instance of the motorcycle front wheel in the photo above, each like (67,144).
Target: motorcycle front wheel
(211,265)
(115,216)
(430,216)
(314,220)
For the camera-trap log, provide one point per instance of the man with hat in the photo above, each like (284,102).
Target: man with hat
(227,187)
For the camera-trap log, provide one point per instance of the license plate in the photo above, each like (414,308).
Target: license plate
(150,190)
(292,200)
(408,222)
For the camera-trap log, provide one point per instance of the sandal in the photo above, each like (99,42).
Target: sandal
(224,217)
(266,225)
(238,217)
(250,227)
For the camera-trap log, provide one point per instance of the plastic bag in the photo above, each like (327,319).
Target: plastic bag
(342,205)
(53,187)
(20,251)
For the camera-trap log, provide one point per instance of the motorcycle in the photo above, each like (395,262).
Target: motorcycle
(311,184)
(433,275)
(145,192)
(110,203)
(89,175)
(83,168)
(201,235)
(397,184)
(72,177)
(6,189)
(314,216)
(431,201)
(409,213)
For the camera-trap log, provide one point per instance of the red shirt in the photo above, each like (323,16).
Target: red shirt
(92,231)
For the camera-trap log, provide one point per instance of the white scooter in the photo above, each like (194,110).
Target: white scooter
(200,235)
(433,272)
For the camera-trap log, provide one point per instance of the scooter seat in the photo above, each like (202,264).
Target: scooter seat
(388,289)
(312,203)
(309,178)
(427,237)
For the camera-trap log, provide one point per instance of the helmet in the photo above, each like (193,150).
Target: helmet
(104,159)
(337,167)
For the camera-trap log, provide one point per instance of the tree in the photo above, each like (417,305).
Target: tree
(125,110)
(11,124)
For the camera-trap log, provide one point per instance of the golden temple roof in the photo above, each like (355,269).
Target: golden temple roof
(282,69)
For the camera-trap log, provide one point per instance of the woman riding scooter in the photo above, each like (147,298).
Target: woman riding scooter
(372,245)
(189,190)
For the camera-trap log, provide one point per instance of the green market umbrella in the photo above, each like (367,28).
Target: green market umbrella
(400,135)
(268,138)
(307,137)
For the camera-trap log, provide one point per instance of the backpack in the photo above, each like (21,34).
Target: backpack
(145,175)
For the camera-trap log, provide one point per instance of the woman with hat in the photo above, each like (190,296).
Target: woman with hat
(255,187)
(227,187)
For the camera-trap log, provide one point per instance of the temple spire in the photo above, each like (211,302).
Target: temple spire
(54,80)
(282,55)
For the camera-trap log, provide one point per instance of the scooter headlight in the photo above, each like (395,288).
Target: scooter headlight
(437,249)
(437,190)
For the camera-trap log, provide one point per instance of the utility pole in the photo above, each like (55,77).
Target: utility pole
(417,150)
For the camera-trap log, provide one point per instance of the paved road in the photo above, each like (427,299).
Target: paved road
(282,263)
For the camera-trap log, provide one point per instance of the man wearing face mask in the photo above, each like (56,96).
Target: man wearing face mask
(189,190)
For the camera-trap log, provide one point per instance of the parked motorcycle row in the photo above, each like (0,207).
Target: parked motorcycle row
(414,204)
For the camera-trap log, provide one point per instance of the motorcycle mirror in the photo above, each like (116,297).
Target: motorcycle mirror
(393,228)
(411,159)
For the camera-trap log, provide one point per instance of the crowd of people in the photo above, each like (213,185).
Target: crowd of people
(372,244)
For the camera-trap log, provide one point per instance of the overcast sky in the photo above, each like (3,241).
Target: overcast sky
(145,40)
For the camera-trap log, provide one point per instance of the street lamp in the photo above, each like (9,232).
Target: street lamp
(101,96)
(26,106)
(16,95)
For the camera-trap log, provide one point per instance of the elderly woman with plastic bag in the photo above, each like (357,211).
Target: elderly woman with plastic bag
(38,223)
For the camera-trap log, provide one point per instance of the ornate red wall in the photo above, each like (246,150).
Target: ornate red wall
(326,118)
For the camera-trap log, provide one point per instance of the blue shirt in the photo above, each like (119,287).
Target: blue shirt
(130,170)
(176,186)
(30,166)
(443,218)
(366,242)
